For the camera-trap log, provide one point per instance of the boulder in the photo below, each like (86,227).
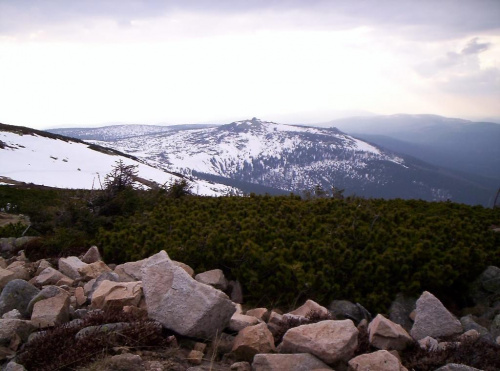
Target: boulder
(289,362)
(385,334)
(400,309)
(186,267)
(182,304)
(195,357)
(16,295)
(130,271)
(433,319)
(381,360)
(69,266)
(52,311)
(5,277)
(126,362)
(93,270)
(7,244)
(259,313)
(310,307)
(9,328)
(13,314)
(241,366)
(93,284)
(116,294)
(495,326)
(239,321)
(92,255)
(331,341)
(46,293)
(41,265)
(19,269)
(428,343)
(468,323)
(80,297)
(13,366)
(486,288)
(456,367)
(251,341)
(343,309)
(214,277)
(235,292)
(49,276)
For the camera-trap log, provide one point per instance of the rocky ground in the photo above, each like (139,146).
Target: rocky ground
(78,313)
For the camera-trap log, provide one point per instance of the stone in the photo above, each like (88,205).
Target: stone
(331,341)
(117,294)
(93,270)
(428,343)
(343,309)
(381,360)
(456,367)
(195,357)
(46,293)
(182,304)
(235,292)
(13,366)
(16,295)
(239,321)
(200,347)
(7,244)
(41,265)
(495,326)
(19,269)
(126,362)
(468,323)
(3,263)
(469,335)
(49,276)
(52,311)
(311,307)
(241,366)
(214,277)
(186,267)
(5,277)
(251,341)
(92,255)
(259,313)
(110,329)
(69,266)
(130,271)
(433,319)
(13,314)
(80,297)
(92,285)
(385,334)
(11,327)
(400,309)
(289,362)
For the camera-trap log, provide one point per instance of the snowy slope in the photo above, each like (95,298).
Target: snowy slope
(42,160)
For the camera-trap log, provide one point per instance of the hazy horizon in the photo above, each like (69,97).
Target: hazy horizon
(93,63)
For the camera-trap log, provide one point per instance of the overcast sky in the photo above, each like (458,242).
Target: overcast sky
(85,63)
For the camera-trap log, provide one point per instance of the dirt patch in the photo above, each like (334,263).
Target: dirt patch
(13,218)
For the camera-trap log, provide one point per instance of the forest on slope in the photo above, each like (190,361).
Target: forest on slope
(282,249)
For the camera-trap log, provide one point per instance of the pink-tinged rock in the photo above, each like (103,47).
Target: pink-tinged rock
(116,294)
(92,255)
(385,334)
(10,328)
(381,360)
(259,313)
(69,266)
(251,341)
(5,277)
(289,362)
(186,267)
(428,343)
(433,319)
(93,270)
(51,311)
(214,277)
(182,304)
(19,269)
(239,321)
(310,307)
(41,265)
(49,276)
(80,296)
(195,357)
(331,341)
(130,271)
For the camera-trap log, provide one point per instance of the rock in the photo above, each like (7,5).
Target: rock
(331,341)
(19,270)
(92,255)
(5,277)
(428,343)
(385,334)
(259,313)
(186,267)
(239,321)
(16,295)
(400,309)
(235,292)
(117,294)
(20,242)
(92,285)
(93,270)
(13,314)
(495,326)
(6,353)
(433,319)
(195,357)
(214,278)
(200,347)
(46,293)
(470,335)
(275,322)
(130,271)
(343,309)
(251,341)
(456,367)
(486,288)
(41,265)
(49,276)
(7,244)
(12,327)
(289,362)
(126,362)
(3,262)
(468,323)
(182,304)
(52,311)
(69,266)
(241,366)
(310,307)
(381,360)
(13,366)
(80,297)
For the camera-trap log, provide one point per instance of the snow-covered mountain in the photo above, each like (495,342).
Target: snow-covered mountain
(30,156)
(294,159)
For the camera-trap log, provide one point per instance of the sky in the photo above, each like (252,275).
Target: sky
(68,63)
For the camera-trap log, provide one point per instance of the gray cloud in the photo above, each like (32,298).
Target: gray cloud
(484,82)
(475,47)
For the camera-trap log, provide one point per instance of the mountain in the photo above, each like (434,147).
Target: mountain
(466,146)
(41,158)
(297,158)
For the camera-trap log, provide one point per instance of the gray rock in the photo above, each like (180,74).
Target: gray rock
(7,244)
(107,276)
(126,362)
(182,304)
(108,328)
(69,266)
(17,294)
(13,366)
(289,362)
(400,310)
(235,292)
(92,255)
(486,288)
(495,326)
(214,277)
(13,327)
(468,323)
(13,314)
(343,309)
(433,319)
(457,367)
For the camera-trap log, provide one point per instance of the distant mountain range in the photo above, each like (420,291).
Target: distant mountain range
(261,156)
